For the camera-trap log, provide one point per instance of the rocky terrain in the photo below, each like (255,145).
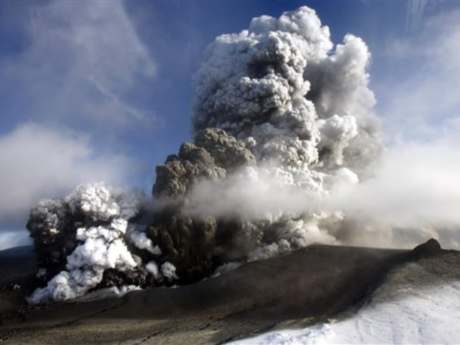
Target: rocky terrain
(287,292)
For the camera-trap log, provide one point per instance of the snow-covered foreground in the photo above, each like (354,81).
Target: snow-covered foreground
(419,303)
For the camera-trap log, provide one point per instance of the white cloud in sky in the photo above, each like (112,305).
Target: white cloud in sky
(423,97)
(79,65)
(12,239)
(83,59)
(415,12)
(38,162)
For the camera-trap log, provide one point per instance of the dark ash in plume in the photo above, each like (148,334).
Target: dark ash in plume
(189,242)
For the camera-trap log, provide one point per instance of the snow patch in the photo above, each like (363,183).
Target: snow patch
(418,303)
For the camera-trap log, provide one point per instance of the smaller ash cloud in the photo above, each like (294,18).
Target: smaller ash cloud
(90,240)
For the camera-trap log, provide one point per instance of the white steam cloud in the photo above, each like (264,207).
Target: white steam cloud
(415,186)
(413,191)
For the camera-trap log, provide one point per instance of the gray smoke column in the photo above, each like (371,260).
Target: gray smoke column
(281,88)
(303,108)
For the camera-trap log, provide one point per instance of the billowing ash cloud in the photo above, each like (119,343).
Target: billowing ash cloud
(277,87)
(89,240)
(303,109)
(282,118)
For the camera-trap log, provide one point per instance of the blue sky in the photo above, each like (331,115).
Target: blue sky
(103,89)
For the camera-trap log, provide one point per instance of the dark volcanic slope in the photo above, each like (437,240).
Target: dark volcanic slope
(16,263)
(311,283)
(17,267)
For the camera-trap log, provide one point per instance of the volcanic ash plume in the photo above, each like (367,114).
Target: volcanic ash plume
(281,118)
